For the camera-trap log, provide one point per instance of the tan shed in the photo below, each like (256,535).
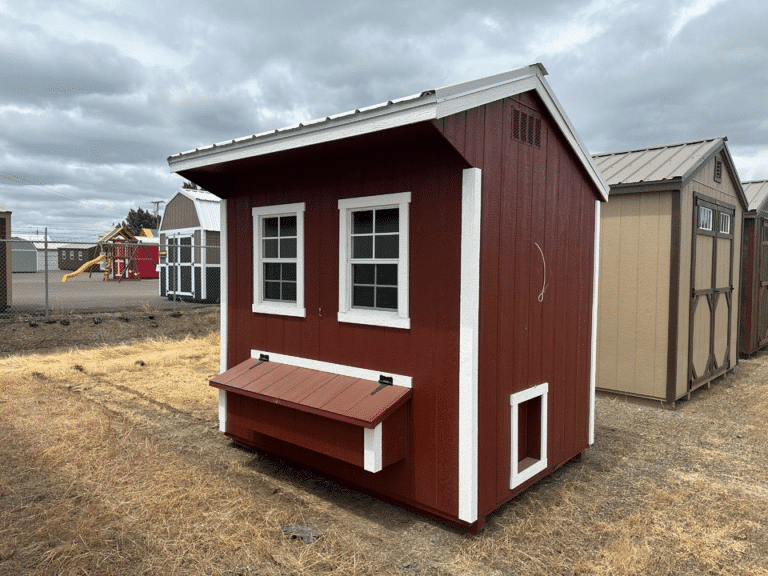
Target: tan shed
(668,309)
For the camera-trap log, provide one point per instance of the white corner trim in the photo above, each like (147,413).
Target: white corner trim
(517,477)
(372,448)
(222,410)
(469,322)
(223,309)
(341,369)
(593,343)
(224,296)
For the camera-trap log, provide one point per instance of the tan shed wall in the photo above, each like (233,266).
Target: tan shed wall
(633,314)
(180,213)
(703,182)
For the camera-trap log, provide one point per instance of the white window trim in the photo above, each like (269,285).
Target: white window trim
(706,223)
(281,308)
(400,318)
(725,218)
(517,476)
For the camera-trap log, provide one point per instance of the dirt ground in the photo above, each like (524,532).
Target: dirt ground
(112,463)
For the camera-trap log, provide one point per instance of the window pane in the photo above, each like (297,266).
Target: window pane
(289,291)
(386,274)
(387,220)
(289,272)
(386,298)
(362,296)
(270,249)
(387,246)
(272,290)
(287,247)
(186,279)
(269,229)
(272,271)
(362,222)
(288,226)
(362,247)
(363,273)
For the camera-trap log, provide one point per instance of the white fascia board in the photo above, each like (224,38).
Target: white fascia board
(448,104)
(375,120)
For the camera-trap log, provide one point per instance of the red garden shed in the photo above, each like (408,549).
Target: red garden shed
(754,269)
(409,292)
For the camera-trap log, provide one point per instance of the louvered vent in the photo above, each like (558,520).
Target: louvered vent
(526,128)
(718,170)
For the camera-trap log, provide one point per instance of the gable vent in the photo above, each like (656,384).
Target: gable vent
(526,128)
(718,170)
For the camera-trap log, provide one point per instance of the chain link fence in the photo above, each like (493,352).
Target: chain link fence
(52,279)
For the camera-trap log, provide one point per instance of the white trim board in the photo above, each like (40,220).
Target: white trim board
(223,313)
(516,476)
(593,341)
(469,325)
(341,369)
(372,448)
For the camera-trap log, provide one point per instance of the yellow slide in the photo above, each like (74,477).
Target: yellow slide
(83,268)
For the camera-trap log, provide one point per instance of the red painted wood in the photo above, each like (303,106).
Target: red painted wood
(317,390)
(537,195)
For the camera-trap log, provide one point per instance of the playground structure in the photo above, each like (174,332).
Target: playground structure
(123,257)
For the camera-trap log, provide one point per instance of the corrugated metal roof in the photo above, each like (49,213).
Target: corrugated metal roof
(655,164)
(424,106)
(756,192)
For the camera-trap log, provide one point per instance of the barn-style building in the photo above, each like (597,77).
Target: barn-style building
(669,269)
(189,240)
(409,292)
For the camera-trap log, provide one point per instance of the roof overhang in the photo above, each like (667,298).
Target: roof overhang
(426,106)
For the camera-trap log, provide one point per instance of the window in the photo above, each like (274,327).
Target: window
(529,433)
(373,260)
(725,223)
(79,254)
(278,259)
(71,254)
(705,218)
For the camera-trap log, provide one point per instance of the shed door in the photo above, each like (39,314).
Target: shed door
(712,292)
(180,266)
(762,286)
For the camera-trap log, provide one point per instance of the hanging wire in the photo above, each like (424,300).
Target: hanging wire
(544,287)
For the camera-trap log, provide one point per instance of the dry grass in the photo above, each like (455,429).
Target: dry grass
(113,464)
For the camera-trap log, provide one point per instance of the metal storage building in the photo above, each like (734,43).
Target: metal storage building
(410,290)
(5,260)
(669,269)
(29,251)
(189,236)
(754,270)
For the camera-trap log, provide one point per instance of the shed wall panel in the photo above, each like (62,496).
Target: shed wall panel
(635,247)
(532,195)
(180,213)
(432,172)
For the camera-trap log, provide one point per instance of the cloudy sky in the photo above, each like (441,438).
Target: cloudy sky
(96,94)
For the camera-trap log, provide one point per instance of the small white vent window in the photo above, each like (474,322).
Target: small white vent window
(725,223)
(705,218)
(529,433)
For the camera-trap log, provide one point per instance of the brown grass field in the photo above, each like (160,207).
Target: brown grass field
(112,464)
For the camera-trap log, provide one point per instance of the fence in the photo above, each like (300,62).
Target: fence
(52,279)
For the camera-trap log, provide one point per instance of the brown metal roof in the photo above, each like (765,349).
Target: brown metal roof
(655,164)
(756,192)
(353,400)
